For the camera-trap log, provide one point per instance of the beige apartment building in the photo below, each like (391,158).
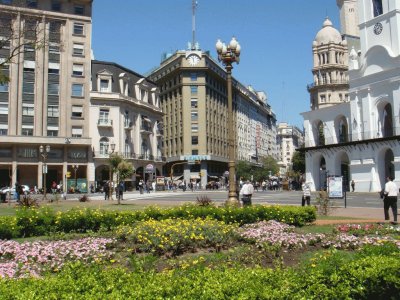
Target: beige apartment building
(193,97)
(125,112)
(46,101)
(289,138)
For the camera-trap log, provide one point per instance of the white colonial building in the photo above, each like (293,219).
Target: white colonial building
(360,139)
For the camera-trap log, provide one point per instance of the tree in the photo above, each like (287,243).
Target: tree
(121,167)
(299,161)
(17,36)
(243,169)
(270,164)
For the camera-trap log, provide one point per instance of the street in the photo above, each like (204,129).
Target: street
(365,200)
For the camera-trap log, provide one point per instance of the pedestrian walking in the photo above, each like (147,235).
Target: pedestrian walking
(106,189)
(141,186)
(247,191)
(306,194)
(390,199)
(353,184)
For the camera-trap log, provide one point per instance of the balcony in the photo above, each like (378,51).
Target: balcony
(132,155)
(128,125)
(101,154)
(323,83)
(159,132)
(355,137)
(145,128)
(104,123)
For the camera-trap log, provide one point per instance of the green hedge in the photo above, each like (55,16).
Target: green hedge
(43,221)
(375,277)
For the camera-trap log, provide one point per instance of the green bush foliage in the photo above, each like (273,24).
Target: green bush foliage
(42,221)
(370,277)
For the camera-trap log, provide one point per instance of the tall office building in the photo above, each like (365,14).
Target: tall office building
(289,138)
(193,97)
(46,101)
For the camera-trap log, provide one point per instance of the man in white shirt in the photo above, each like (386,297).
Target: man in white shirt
(390,199)
(247,191)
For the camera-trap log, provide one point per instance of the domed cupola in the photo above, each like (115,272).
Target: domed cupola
(328,34)
(330,84)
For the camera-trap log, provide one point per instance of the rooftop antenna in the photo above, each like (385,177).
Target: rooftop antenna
(194,6)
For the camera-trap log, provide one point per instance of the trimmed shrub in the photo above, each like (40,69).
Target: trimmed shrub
(35,222)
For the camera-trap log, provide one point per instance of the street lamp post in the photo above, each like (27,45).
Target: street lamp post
(110,171)
(44,152)
(75,168)
(229,54)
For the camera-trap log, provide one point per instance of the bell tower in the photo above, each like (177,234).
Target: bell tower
(348,18)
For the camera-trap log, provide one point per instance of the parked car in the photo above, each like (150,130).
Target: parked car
(5,190)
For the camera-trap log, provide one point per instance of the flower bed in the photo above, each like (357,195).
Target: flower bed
(283,235)
(43,221)
(28,259)
(176,235)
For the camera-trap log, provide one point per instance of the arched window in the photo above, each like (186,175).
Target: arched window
(342,131)
(387,123)
(321,134)
(377,7)
(104,144)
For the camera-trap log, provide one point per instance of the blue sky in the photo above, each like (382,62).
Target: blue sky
(275,35)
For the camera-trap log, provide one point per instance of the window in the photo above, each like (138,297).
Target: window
(27,130)
(193,103)
(195,140)
(195,152)
(79,9)
(78,49)
(104,113)
(31,3)
(323,98)
(54,71)
(104,85)
(77,70)
(79,28)
(3,108)
(193,76)
(193,89)
(52,111)
(55,49)
(195,127)
(53,88)
(56,5)
(5,1)
(377,7)
(29,48)
(77,131)
(104,146)
(194,115)
(52,130)
(3,129)
(77,111)
(28,109)
(77,90)
(28,87)
(4,87)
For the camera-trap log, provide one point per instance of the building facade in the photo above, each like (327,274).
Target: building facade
(125,111)
(365,146)
(193,97)
(48,78)
(289,138)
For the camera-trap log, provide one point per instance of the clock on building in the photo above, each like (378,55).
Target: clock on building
(378,28)
(193,59)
